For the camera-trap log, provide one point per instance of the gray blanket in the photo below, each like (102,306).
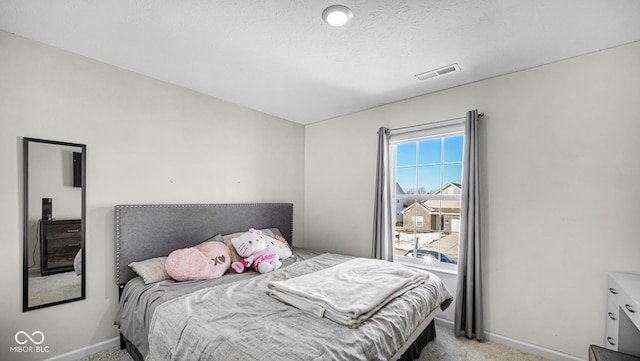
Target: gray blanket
(239,321)
(139,301)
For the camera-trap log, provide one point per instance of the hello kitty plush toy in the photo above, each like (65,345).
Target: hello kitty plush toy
(279,246)
(252,247)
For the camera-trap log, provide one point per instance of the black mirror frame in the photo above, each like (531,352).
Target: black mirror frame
(25,223)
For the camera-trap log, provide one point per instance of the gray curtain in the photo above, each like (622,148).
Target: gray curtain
(382,227)
(469,314)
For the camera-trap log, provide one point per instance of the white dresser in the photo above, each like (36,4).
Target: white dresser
(623,313)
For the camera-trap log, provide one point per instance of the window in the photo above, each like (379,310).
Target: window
(427,173)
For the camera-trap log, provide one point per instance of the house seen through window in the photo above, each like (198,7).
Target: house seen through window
(428,181)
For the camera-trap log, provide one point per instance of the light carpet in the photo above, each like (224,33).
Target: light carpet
(54,288)
(445,347)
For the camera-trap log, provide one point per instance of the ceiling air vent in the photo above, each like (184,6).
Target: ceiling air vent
(438,72)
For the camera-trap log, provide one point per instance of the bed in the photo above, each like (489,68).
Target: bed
(235,317)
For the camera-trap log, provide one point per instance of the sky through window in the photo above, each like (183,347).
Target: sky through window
(428,165)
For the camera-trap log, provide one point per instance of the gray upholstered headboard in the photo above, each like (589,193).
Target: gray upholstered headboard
(147,231)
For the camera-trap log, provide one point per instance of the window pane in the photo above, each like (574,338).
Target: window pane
(429,179)
(412,233)
(444,249)
(406,178)
(430,151)
(406,154)
(444,227)
(453,148)
(404,240)
(452,173)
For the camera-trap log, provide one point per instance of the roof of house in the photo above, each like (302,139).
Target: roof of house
(432,205)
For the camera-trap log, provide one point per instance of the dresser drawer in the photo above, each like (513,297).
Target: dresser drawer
(63,246)
(632,310)
(61,262)
(65,230)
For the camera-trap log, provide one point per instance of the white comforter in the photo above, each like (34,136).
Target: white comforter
(348,293)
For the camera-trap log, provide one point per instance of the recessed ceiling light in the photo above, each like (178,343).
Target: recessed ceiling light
(337,15)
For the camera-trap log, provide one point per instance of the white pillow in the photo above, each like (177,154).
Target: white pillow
(151,270)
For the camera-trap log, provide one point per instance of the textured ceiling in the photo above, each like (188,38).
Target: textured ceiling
(280,58)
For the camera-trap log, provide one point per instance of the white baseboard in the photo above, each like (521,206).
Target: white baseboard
(87,351)
(444,323)
(518,345)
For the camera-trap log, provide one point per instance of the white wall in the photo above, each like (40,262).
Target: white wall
(147,142)
(560,169)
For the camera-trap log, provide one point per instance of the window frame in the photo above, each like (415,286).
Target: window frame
(449,128)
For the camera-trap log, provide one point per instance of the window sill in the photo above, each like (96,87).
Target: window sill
(434,266)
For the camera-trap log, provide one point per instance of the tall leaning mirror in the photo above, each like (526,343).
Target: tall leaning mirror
(54,223)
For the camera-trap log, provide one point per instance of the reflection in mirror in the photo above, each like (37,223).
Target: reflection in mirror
(54,222)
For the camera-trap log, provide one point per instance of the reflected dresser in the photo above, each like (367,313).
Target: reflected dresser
(59,243)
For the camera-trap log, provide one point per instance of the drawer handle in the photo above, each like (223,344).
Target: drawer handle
(613,290)
(73,230)
(612,316)
(73,244)
(628,307)
(610,340)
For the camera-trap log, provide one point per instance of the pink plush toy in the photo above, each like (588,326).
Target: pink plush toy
(252,247)
(206,261)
